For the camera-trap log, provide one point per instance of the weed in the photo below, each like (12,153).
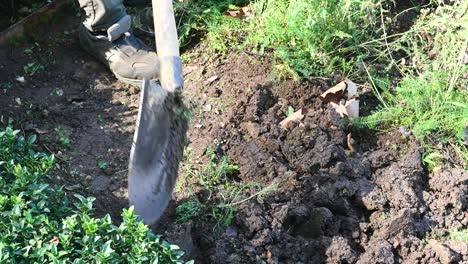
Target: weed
(100,119)
(290,111)
(189,210)
(459,235)
(199,19)
(7,86)
(430,100)
(102,165)
(62,137)
(28,51)
(188,170)
(445,235)
(216,172)
(223,193)
(313,37)
(33,68)
(57,92)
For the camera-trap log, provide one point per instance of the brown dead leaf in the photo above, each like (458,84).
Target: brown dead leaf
(343,90)
(334,94)
(349,108)
(340,108)
(233,13)
(352,145)
(293,118)
(344,98)
(243,12)
(54,240)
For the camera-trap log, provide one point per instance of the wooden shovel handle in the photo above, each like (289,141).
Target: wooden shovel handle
(167,45)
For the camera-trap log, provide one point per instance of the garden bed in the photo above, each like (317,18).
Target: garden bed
(248,191)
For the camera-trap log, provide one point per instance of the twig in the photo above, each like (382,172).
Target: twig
(375,87)
(385,34)
(51,152)
(122,171)
(271,188)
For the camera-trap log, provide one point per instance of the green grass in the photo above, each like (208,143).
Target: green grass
(199,20)
(41,224)
(430,100)
(444,236)
(459,235)
(313,37)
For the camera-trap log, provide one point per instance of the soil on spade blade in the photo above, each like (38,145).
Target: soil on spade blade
(374,205)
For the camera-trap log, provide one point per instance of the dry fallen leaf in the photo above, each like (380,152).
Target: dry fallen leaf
(54,240)
(349,108)
(351,143)
(340,108)
(293,118)
(241,13)
(352,108)
(334,94)
(338,92)
(344,98)
(211,79)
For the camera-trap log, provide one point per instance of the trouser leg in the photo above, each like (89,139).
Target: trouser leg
(101,14)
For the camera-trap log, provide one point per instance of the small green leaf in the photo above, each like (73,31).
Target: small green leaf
(290,111)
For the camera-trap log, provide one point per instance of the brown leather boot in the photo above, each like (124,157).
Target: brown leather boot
(125,55)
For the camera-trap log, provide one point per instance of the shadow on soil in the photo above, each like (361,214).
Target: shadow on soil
(80,113)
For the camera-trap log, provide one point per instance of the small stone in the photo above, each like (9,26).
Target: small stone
(20,79)
(207,107)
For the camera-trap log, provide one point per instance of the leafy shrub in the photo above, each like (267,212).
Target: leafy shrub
(38,224)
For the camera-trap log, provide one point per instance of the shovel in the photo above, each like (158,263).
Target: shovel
(158,142)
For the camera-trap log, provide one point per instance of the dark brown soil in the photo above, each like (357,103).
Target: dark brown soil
(82,100)
(375,205)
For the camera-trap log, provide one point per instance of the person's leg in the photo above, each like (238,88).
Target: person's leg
(102,14)
(105,35)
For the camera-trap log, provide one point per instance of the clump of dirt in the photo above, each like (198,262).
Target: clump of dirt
(376,205)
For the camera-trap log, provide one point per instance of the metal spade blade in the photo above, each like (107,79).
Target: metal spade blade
(156,150)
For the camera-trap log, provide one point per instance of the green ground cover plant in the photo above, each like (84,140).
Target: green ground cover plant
(42,224)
